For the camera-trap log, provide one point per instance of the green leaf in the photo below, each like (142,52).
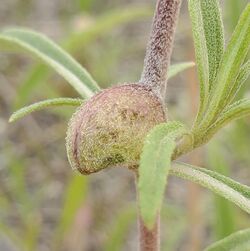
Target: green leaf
(177,68)
(119,230)
(74,198)
(231,190)
(213,29)
(224,214)
(79,41)
(35,76)
(201,52)
(241,78)
(233,10)
(235,111)
(13,237)
(239,241)
(232,60)
(84,5)
(51,54)
(44,104)
(25,205)
(154,166)
(33,232)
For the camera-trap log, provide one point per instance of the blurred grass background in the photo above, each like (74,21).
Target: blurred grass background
(43,204)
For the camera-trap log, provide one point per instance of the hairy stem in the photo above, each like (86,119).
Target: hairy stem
(149,239)
(156,63)
(160,46)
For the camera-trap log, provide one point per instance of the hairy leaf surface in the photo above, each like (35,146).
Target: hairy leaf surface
(232,60)
(201,51)
(177,68)
(154,167)
(214,35)
(51,54)
(231,190)
(44,104)
(241,78)
(235,111)
(239,241)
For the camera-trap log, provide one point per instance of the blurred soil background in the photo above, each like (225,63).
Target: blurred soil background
(44,206)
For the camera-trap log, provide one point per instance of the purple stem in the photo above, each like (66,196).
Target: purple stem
(160,46)
(149,239)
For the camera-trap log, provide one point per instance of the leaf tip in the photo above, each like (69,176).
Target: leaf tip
(11,119)
(14,117)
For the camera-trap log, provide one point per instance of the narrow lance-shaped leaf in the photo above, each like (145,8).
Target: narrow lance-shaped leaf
(235,111)
(231,190)
(79,40)
(154,166)
(44,104)
(40,72)
(239,241)
(232,60)
(177,68)
(241,78)
(214,35)
(50,53)
(200,51)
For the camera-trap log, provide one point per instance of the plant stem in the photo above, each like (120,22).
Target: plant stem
(149,239)
(160,46)
(156,63)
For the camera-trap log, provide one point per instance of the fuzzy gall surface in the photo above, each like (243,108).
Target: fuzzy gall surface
(109,129)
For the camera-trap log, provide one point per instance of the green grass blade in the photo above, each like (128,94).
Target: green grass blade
(104,24)
(120,229)
(51,54)
(229,189)
(13,237)
(154,166)
(224,216)
(35,76)
(84,5)
(232,60)
(25,205)
(239,241)
(177,68)
(214,35)
(201,52)
(17,183)
(233,10)
(32,233)
(44,104)
(75,196)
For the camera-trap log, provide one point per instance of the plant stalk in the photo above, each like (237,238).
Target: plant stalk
(159,49)
(154,75)
(149,238)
